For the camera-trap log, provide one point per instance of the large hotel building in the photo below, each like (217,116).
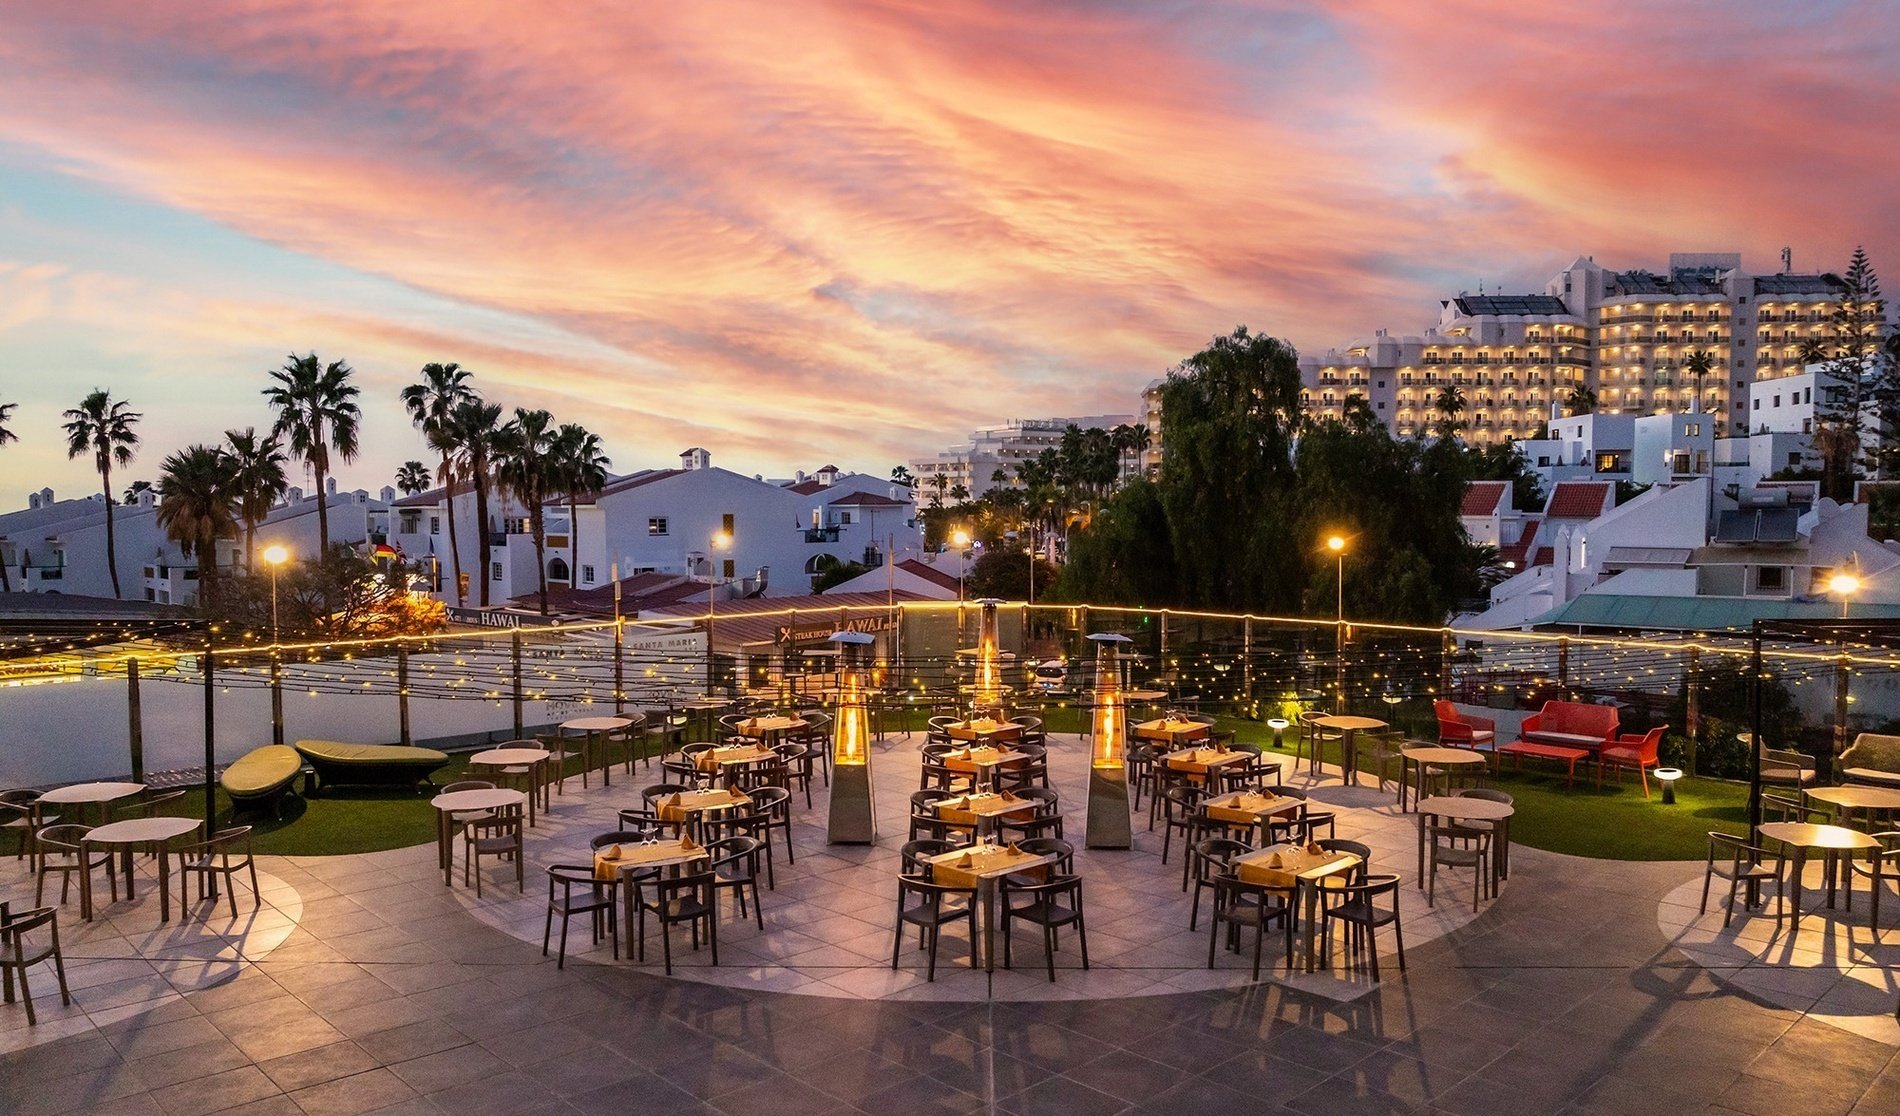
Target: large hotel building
(1624,334)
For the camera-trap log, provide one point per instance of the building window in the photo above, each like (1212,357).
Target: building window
(587,575)
(727,573)
(1770,578)
(411,521)
(435,525)
(494,571)
(557,569)
(656,525)
(725,524)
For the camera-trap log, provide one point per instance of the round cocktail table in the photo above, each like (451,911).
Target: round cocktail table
(1422,758)
(129,835)
(464,802)
(1460,808)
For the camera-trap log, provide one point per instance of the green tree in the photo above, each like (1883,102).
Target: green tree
(197,507)
(1229,417)
(475,431)
(6,435)
(316,407)
(581,464)
(1449,403)
(900,474)
(1126,556)
(1582,400)
(1851,361)
(257,481)
(102,426)
(1003,572)
(433,403)
(829,570)
(527,470)
(133,490)
(1504,461)
(1699,364)
(939,481)
(412,477)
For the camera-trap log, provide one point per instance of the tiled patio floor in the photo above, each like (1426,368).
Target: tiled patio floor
(1563,996)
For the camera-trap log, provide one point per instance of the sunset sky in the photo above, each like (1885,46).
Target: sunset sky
(800,232)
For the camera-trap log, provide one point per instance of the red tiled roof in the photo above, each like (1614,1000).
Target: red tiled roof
(1483,498)
(869,500)
(928,572)
(807,488)
(1544,556)
(1517,551)
(1580,499)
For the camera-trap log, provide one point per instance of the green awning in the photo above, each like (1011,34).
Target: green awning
(1695,614)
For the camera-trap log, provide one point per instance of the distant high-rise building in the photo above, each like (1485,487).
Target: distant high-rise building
(976,463)
(1625,335)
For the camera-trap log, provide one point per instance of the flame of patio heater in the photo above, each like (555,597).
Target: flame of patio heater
(1111,715)
(988,691)
(853,727)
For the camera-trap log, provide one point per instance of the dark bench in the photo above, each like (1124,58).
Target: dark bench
(369,765)
(262,775)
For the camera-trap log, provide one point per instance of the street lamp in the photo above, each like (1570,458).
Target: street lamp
(961,540)
(1843,585)
(721,540)
(1337,544)
(274,557)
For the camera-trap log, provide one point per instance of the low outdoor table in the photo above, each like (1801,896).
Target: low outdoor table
(463,802)
(597,729)
(128,835)
(1459,808)
(1349,728)
(83,795)
(1460,759)
(1173,732)
(1853,800)
(1302,872)
(980,866)
(1831,841)
(1546,747)
(531,758)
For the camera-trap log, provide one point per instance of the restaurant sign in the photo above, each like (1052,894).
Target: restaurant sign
(817,631)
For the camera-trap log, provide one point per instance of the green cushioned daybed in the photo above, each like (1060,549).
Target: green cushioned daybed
(369,765)
(262,775)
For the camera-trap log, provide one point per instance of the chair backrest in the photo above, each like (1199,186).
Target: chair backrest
(661,790)
(728,851)
(64,837)
(912,853)
(926,797)
(228,840)
(1339,844)
(1063,851)
(1487,794)
(468,785)
(1220,850)
(19,797)
(1578,717)
(619,837)
(497,822)
(1647,745)
(769,798)
(697,747)
(1182,798)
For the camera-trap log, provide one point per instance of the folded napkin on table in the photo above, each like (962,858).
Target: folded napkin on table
(612,853)
(1276,861)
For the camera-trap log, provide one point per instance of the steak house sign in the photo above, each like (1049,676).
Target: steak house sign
(817,632)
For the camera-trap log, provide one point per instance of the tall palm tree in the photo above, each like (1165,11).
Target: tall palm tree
(475,429)
(197,507)
(525,467)
(258,481)
(102,426)
(432,404)
(1582,400)
(1699,364)
(316,406)
(412,477)
(582,464)
(6,435)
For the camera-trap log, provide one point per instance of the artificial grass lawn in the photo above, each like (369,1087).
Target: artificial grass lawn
(1615,822)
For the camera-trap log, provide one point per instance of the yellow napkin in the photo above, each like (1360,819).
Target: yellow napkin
(1315,849)
(686,843)
(611,854)
(966,861)
(674,801)
(1276,861)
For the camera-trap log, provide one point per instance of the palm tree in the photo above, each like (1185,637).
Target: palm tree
(959,492)
(6,435)
(1582,400)
(132,491)
(1699,364)
(258,481)
(526,468)
(939,481)
(197,508)
(103,427)
(316,406)
(900,474)
(474,429)
(1449,404)
(581,464)
(412,477)
(432,405)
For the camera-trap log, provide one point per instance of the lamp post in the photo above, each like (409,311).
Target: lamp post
(1337,544)
(961,540)
(1843,585)
(274,557)
(720,541)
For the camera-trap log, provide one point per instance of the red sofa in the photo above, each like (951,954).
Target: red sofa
(1589,726)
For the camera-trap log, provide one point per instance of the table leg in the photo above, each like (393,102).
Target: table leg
(125,867)
(85,883)
(164,883)
(987,890)
(1832,861)
(1348,765)
(1310,911)
(1420,877)
(1800,868)
(444,848)
(606,765)
(1873,919)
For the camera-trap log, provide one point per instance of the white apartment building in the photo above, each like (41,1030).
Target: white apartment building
(1622,334)
(974,464)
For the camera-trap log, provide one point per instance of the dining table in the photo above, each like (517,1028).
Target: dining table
(1450,760)
(98,795)
(1349,727)
(981,810)
(1458,808)
(451,803)
(501,759)
(625,861)
(770,728)
(982,761)
(594,747)
(1832,841)
(1173,731)
(1303,870)
(980,866)
(1857,804)
(128,836)
(983,730)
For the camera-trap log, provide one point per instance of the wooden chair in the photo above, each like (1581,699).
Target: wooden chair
(937,905)
(16,957)
(1746,865)
(499,834)
(1239,905)
(688,899)
(1357,906)
(62,849)
(1180,805)
(599,900)
(560,749)
(776,804)
(735,868)
(1043,904)
(798,767)
(1212,857)
(1312,740)
(225,853)
(1455,846)
(22,815)
(1047,821)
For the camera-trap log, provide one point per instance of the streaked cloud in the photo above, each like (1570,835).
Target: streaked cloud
(796,231)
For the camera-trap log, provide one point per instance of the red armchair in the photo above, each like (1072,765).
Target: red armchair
(1462,730)
(1632,751)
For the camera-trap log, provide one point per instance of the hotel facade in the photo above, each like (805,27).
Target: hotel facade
(1623,334)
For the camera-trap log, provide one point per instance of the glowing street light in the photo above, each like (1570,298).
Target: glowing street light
(1337,545)
(1843,585)
(275,556)
(721,540)
(960,538)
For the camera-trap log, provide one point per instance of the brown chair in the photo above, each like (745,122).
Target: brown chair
(600,900)
(147,805)
(1237,905)
(22,815)
(687,899)
(499,834)
(1746,865)
(937,905)
(17,957)
(776,804)
(61,849)
(560,749)
(798,768)
(1043,905)
(1212,857)
(225,853)
(1357,906)
(1455,846)
(735,868)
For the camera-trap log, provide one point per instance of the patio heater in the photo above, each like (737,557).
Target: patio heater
(852,817)
(1108,826)
(986,696)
